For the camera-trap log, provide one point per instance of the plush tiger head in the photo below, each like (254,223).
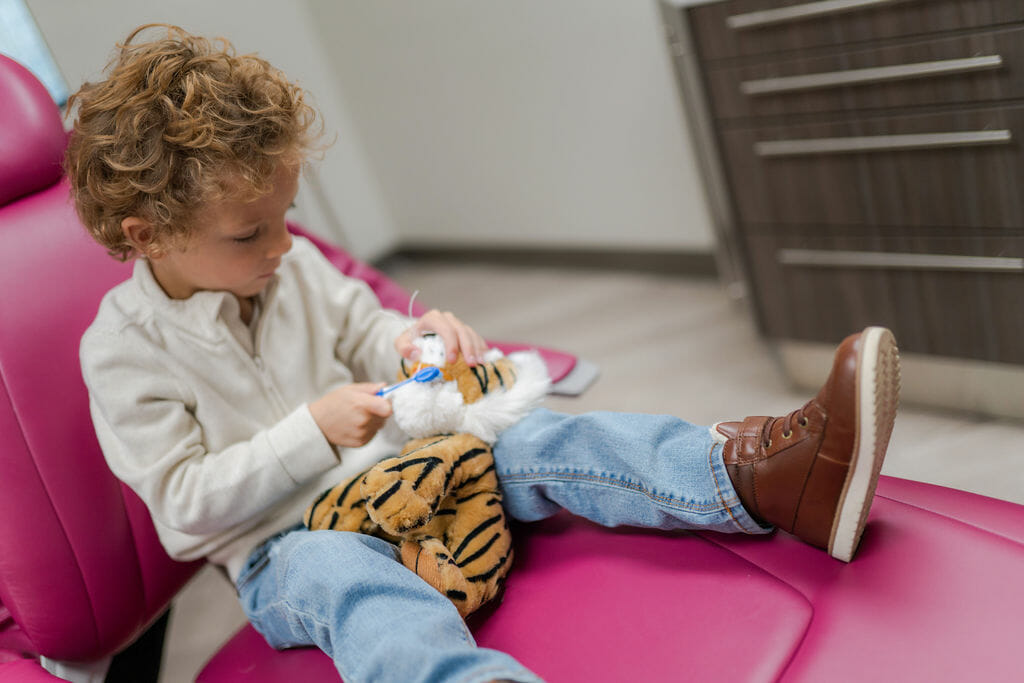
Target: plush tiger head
(481,400)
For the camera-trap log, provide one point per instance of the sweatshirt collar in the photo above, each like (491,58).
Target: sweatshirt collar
(201,314)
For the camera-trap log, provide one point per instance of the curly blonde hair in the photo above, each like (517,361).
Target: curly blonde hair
(178,122)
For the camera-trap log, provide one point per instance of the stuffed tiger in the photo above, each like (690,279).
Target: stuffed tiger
(439,500)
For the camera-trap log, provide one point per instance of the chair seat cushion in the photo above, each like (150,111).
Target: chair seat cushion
(247,658)
(588,603)
(933,594)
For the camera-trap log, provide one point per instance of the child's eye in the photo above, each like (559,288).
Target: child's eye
(248,238)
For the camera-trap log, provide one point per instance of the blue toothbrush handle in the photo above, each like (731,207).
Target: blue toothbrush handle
(388,389)
(427,374)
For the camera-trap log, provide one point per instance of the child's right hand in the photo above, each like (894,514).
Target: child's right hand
(351,415)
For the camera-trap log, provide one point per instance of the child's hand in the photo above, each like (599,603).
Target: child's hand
(350,415)
(457,337)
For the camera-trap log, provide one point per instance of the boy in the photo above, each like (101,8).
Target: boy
(232,379)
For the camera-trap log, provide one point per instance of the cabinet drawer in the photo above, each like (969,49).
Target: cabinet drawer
(743,28)
(967,313)
(980,67)
(950,169)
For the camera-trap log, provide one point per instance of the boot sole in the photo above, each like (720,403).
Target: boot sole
(878,381)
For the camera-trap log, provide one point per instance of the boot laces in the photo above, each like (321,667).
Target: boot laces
(797,415)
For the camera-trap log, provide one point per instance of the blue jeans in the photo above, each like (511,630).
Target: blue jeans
(349,595)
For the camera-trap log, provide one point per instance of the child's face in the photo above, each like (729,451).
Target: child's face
(237,245)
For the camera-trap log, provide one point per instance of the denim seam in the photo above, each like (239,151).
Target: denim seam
(612,481)
(718,490)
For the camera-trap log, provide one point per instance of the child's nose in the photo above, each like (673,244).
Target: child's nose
(282,243)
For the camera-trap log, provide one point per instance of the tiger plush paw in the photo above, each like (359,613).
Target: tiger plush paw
(398,506)
(402,494)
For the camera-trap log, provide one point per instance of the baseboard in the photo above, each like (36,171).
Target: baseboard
(970,386)
(682,263)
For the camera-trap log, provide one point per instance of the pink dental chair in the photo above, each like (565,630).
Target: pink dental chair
(935,593)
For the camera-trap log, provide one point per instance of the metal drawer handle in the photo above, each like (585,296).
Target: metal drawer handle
(810,10)
(833,79)
(880,143)
(874,259)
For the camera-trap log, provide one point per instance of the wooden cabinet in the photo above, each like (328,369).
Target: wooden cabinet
(868,162)
(751,28)
(823,173)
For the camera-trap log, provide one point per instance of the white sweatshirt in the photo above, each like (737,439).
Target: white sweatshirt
(208,421)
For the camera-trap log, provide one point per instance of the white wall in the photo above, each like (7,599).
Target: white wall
(520,122)
(82,36)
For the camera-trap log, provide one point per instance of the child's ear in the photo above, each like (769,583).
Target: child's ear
(140,234)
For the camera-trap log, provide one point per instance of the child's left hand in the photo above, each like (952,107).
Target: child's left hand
(457,336)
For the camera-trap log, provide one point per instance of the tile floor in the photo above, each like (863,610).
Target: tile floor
(663,344)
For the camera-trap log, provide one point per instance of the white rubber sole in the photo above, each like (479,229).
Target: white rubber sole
(878,382)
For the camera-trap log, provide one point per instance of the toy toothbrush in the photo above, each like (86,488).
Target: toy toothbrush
(427,374)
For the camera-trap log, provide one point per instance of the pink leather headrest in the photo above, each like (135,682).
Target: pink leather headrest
(32,137)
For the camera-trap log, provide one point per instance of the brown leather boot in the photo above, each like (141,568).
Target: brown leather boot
(813,472)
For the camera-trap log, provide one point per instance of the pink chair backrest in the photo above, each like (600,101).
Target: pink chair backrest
(81,568)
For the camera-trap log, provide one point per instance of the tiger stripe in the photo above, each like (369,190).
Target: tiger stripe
(430,463)
(463,499)
(480,372)
(314,511)
(470,454)
(383,498)
(480,551)
(473,480)
(348,487)
(480,528)
(489,574)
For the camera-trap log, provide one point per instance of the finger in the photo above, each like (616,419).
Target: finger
(403,340)
(446,329)
(379,406)
(427,323)
(479,346)
(405,347)
(468,341)
(369,388)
